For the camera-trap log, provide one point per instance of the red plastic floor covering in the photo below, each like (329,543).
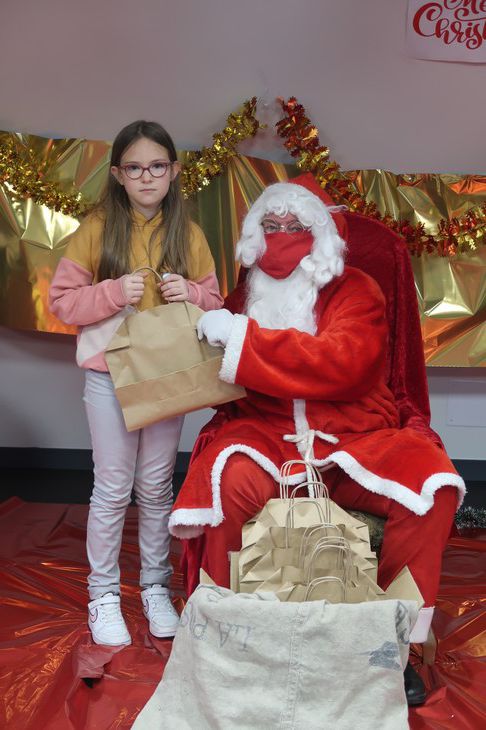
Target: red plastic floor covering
(46,650)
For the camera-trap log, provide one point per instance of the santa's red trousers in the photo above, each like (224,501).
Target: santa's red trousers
(409,539)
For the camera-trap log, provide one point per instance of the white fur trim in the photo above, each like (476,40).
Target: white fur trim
(234,346)
(214,516)
(300,418)
(420,631)
(418,503)
(187,523)
(220,463)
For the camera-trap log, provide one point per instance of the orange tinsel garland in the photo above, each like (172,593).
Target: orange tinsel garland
(301,138)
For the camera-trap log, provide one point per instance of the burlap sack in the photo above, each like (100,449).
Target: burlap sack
(241,662)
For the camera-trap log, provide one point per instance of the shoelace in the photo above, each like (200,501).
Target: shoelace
(111,613)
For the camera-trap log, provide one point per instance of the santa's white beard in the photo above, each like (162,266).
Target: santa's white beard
(282,303)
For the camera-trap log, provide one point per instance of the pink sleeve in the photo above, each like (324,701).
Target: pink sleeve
(204,293)
(74,299)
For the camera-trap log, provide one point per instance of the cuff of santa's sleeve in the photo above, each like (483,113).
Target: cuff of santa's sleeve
(234,346)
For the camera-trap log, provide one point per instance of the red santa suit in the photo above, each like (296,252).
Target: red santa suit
(311,353)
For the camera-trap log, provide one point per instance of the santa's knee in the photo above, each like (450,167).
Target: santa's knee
(245,488)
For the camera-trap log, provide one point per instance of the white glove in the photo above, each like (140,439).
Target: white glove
(215,326)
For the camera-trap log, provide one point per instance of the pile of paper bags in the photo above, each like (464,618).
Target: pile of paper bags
(304,548)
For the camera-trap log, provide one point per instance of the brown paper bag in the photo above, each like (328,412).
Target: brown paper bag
(160,369)
(308,548)
(280,546)
(403,587)
(311,562)
(329,574)
(361,588)
(275,514)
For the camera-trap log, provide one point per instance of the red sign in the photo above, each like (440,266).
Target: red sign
(447,30)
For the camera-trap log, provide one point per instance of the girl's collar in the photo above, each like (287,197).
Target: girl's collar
(140,220)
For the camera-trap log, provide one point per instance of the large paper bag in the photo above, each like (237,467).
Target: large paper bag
(304,513)
(160,369)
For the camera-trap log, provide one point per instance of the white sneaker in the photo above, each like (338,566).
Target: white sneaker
(106,622)
(158,610)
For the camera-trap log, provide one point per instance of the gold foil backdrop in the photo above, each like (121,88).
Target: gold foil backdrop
(451,291)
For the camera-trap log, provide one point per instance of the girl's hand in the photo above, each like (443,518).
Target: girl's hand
(174,288)
(133,286)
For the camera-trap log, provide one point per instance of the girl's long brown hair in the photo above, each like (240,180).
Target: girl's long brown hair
(173,231)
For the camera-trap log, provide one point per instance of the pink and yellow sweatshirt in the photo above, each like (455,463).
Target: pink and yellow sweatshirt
(76,297)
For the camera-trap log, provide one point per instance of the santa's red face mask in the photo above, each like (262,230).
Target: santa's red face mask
(284,252)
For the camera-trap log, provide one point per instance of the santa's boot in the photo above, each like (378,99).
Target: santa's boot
(414,687)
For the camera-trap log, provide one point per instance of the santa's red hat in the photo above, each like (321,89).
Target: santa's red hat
(307,180)
(303,197)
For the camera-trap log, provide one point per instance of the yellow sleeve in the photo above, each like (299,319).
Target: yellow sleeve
(201,262)
(84,245)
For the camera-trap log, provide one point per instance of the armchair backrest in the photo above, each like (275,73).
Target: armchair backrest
(381,253)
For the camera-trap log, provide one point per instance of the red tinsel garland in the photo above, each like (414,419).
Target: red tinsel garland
(301,138)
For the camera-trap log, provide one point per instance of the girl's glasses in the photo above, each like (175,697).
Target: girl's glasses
(270,226)
(156,169)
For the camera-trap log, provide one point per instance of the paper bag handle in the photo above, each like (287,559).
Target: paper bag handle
(343,551)
(285,473)
(289,518)
(148,268)
(324,509)
(309,531)
(325,579)
(320,490)
(313,477)
(156,273)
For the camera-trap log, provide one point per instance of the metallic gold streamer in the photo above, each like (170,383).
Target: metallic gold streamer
(26,178)
(451,290)
(201,167)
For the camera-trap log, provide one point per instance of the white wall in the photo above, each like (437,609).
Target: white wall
(458,406)
(41,390)
(41,406)
(86,69)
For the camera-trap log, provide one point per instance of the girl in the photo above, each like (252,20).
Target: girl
(141,221)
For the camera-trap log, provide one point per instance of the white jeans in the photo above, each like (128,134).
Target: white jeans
(143,460)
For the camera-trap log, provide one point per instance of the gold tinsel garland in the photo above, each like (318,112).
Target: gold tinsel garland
(20,171)
(26,179)
(200,167)
(301,138)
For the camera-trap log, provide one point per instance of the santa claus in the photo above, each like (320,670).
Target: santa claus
(306,336)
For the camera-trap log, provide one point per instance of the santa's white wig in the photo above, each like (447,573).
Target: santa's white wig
(326,259)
